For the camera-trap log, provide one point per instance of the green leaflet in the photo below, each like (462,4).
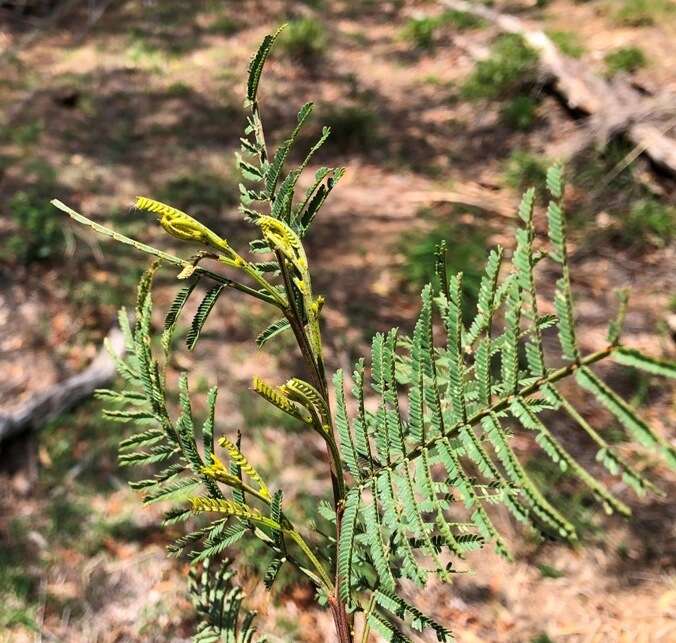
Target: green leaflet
(510,348)
(235,470)
(560,455)
(209,424)
(454,328)
(217,601)
(280,156)
(316,197)
(557,231)
(616,325)
(180,490)
(346,544)
(487,296)
(517,474)
(564,311)
(347,447)
(637,428)
(441,268)
(635,359)
(173,313)
(257,63)
(383,627)
(274,329)
(555,181)
(203,310)
(398,606)
(379,552)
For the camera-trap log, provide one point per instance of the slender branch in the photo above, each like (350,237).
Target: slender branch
(165,256)
(367,628)
(342,620)
(498,405)
(298,539)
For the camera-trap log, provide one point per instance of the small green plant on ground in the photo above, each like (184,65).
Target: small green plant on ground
(641,13)
(466,252)
(412,490)
(304,39)
(36,234)
(422,32)
(649,217)
(520,112)
(353,127)
(627,59)
(605,180)
(201,191)
(524,169)
(568,42)
(511,66)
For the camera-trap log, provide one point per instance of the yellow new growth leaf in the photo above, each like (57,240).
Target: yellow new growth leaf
(218,471)
(232,508)
(238,458)
(281,237)
(276,397)
(181,225)
(309,397)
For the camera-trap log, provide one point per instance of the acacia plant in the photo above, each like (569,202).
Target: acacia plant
(421,454)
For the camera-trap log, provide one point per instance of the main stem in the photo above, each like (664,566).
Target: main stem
(343,622)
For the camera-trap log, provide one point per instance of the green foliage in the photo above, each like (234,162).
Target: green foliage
(415,485)
(218,603)
(224,25)
(649,218)
(512,65)
(541,638)
(26,134)
(520,112)
(641,13)
(422,32)
(547,571)
(200,191)
(353,127)
(17,588)
(304,39)
(568,42)
(523,170)
(627,59)
(466,252)
(38,235)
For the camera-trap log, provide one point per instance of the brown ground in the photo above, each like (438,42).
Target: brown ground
(138,100)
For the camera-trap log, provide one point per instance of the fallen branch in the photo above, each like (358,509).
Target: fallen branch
(468,195)
(60,397)
(614,105)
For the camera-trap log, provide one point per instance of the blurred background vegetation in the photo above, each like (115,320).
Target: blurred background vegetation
(103,100)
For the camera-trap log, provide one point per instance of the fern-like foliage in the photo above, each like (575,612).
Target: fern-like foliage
(218,604)
(424,482)
(421,452)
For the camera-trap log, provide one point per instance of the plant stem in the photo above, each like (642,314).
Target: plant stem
(165,256)
(343,622)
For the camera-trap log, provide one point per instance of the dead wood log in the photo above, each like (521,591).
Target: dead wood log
(471,195)
(50,403)
(614,105)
